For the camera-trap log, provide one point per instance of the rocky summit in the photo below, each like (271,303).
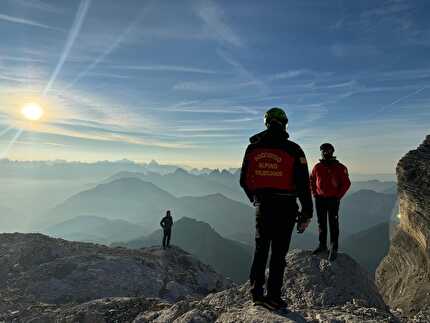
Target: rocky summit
(403,277)
(316,290)
(38,269)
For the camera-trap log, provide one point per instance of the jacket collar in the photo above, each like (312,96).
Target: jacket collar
(269,133)
(331,161)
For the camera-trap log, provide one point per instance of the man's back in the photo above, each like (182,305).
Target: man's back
(167,222)
(330,178)
(264,173)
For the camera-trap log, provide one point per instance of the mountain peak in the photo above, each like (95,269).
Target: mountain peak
(153,163)
(180,171)
(215,172)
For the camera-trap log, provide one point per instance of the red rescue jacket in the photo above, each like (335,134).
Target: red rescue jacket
(275,167)
(330,178)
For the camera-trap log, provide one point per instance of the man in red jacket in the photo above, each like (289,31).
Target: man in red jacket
(329,183)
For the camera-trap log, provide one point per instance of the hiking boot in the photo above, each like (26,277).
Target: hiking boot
(258,300)
(275,303)
(333,254)
(320,250)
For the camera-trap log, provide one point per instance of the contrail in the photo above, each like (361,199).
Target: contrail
(5,131)
(111,48)
(73,33)
(402,98)
(5,152)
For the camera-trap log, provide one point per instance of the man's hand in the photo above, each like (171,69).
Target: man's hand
(302,224)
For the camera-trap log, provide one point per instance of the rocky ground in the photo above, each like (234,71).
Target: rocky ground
(38,269)
(317,291)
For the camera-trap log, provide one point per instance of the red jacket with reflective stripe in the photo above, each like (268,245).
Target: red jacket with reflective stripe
(330,179)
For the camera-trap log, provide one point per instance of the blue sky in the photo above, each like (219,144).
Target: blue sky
(187,82)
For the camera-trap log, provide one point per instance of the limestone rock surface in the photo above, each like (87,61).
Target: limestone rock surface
(316,290)
(403,277)
(39,269)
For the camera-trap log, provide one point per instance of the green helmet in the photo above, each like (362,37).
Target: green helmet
(275,115)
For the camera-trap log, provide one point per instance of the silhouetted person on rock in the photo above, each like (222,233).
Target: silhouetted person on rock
(167,223)
(274,173)
(329,183)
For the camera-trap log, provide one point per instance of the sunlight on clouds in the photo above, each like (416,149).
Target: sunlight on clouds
(77,115)
(23,110)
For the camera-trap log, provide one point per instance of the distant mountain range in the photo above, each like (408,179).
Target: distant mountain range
(32,188)
(218,230)
(359,211)
(228,257)
(61,169)
(95,229)
(137,201)
(364,209)
(141,202)
(182,183)
(368,247)
(388,187)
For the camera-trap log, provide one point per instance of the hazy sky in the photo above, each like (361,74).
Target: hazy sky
(187,82)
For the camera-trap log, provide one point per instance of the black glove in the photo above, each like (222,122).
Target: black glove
(302,222)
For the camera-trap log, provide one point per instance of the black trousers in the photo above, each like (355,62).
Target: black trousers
(275,222)
(328,207)
(166,237)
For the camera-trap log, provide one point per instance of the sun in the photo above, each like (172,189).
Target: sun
(32,111)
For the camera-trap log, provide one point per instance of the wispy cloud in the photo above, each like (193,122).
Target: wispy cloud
(109,75)
(243,72)
(215,110)
(287,75)
(21,59)
(130,28)
(5,131)
(74,31)
(23,21)
(215,19)
(103,134)
(300,73)
(166,68)
(37,5)
(5,152)
(12,79)
(38,142)
(212,87)
(402,98)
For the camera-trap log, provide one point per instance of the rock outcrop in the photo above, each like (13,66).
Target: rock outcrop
(403,277)
(39,269)
(317,291)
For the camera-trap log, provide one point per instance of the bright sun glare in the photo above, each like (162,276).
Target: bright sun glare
(32,111)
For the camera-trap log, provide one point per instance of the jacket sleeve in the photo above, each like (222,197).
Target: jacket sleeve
(344,180)
(313,181)
(162,222)
(301,177)
(243,172)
